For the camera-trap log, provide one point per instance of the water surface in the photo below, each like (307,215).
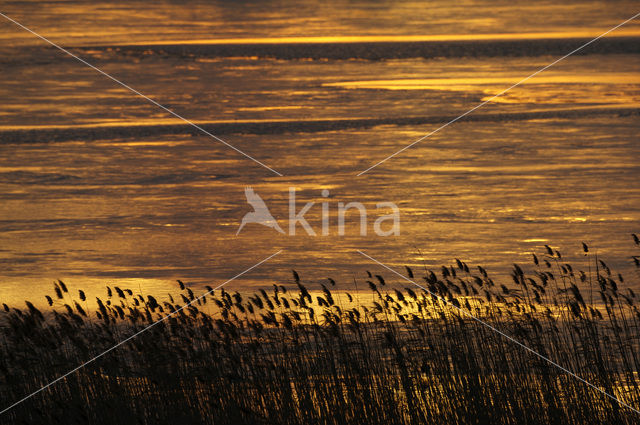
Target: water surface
(98,186)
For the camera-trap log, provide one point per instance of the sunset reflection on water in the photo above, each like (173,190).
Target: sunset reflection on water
(146,204)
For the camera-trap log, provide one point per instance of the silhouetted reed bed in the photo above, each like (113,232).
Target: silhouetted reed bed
(320,354)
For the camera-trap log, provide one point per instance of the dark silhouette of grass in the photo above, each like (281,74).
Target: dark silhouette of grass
(301,355)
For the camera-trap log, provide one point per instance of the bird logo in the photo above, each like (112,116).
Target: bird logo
(260,213)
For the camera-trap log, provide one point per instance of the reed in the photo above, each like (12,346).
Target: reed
(299,354)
